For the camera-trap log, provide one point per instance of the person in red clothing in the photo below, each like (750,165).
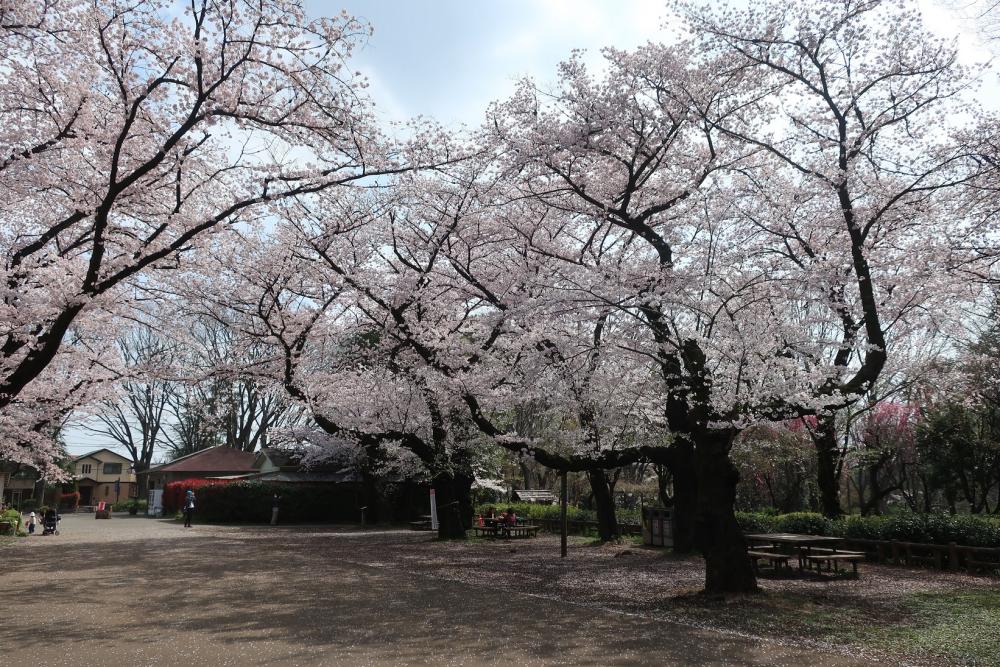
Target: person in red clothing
(510,518)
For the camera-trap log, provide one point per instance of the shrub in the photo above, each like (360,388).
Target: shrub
(968,530)
(29,505)
(250,502)
(126,505)
(806,523)
(552,512)
(173,493)
(756,522)
(14,517)
(69,501)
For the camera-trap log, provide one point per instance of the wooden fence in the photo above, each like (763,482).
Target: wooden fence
(583,527)
(941,556)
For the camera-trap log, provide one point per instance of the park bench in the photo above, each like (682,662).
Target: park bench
(775,558)
(420,525)
(6,527)
(485,531)
(834,559)
(520,531)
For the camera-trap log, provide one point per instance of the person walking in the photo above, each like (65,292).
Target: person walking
(32,520)
(188,507)
(275,506)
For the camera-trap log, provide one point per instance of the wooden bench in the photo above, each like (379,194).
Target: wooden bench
(775,558)
(520,531)
(485,531)
(420,525)
(833,560)
(6,527)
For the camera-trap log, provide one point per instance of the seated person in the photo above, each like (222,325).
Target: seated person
(510,518)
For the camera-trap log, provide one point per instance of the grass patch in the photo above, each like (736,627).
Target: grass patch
(959,627)
(962,626)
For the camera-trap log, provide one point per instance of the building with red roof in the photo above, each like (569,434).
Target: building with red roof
(212,462)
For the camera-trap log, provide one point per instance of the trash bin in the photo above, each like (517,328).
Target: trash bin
(658,526)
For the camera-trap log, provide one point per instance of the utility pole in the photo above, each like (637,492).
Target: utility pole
(562,511)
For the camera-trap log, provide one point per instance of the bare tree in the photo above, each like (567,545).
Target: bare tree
(135,417)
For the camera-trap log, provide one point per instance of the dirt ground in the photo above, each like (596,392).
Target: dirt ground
(139,591)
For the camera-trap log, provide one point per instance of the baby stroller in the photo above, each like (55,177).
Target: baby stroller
(50,523)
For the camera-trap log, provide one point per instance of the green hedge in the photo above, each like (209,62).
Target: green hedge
(126,505)
(29,505)
(14,517)
(964,529)
(250,502)
(573,513)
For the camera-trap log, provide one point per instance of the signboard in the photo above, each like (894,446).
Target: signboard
(155,502)
(434,511)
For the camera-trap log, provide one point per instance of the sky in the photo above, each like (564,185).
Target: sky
(448,59)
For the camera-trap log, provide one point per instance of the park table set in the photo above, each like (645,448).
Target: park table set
(498,528)
(808,549)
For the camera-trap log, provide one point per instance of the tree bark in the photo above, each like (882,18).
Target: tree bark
(604,504)
(454,502)
(685,500)
(727,567)
(142,481)
(828,460)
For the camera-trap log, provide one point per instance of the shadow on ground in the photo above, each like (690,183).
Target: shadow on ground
(301,598)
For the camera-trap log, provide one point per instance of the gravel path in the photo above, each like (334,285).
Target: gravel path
(136,591)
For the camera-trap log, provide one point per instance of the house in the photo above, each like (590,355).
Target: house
(219,461)
(104,476)
(18,483)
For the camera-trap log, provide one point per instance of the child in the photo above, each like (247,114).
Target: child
(31,524)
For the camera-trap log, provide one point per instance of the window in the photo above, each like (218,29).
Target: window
(85,469)
(112,468)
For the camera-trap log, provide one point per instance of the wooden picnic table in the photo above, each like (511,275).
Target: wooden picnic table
(801,544)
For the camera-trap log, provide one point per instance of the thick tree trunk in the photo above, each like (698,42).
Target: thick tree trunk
(604,504)
(454,503)
(685,501)
(727,567)
(828,459)
(142,481)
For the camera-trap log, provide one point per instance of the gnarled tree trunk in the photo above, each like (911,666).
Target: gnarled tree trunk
(604,504)
(727,567)
(454,502)
(685,500)
(828,462)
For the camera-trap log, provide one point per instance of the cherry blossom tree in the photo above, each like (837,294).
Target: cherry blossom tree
(132,131)
(777,210)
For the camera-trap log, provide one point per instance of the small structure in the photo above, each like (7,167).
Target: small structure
(540,496)
(216,461)
(658,526)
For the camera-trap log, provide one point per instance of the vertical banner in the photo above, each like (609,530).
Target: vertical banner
(434,511)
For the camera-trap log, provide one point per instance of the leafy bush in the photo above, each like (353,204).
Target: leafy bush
(126,505)
(805,523)
(173,493)
(14,517)
(69,501)
(552,512)
(250,502)
(967,530)
(756,522)
(29,505)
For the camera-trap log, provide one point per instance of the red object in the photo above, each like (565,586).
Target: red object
(479,520)
(173,492)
